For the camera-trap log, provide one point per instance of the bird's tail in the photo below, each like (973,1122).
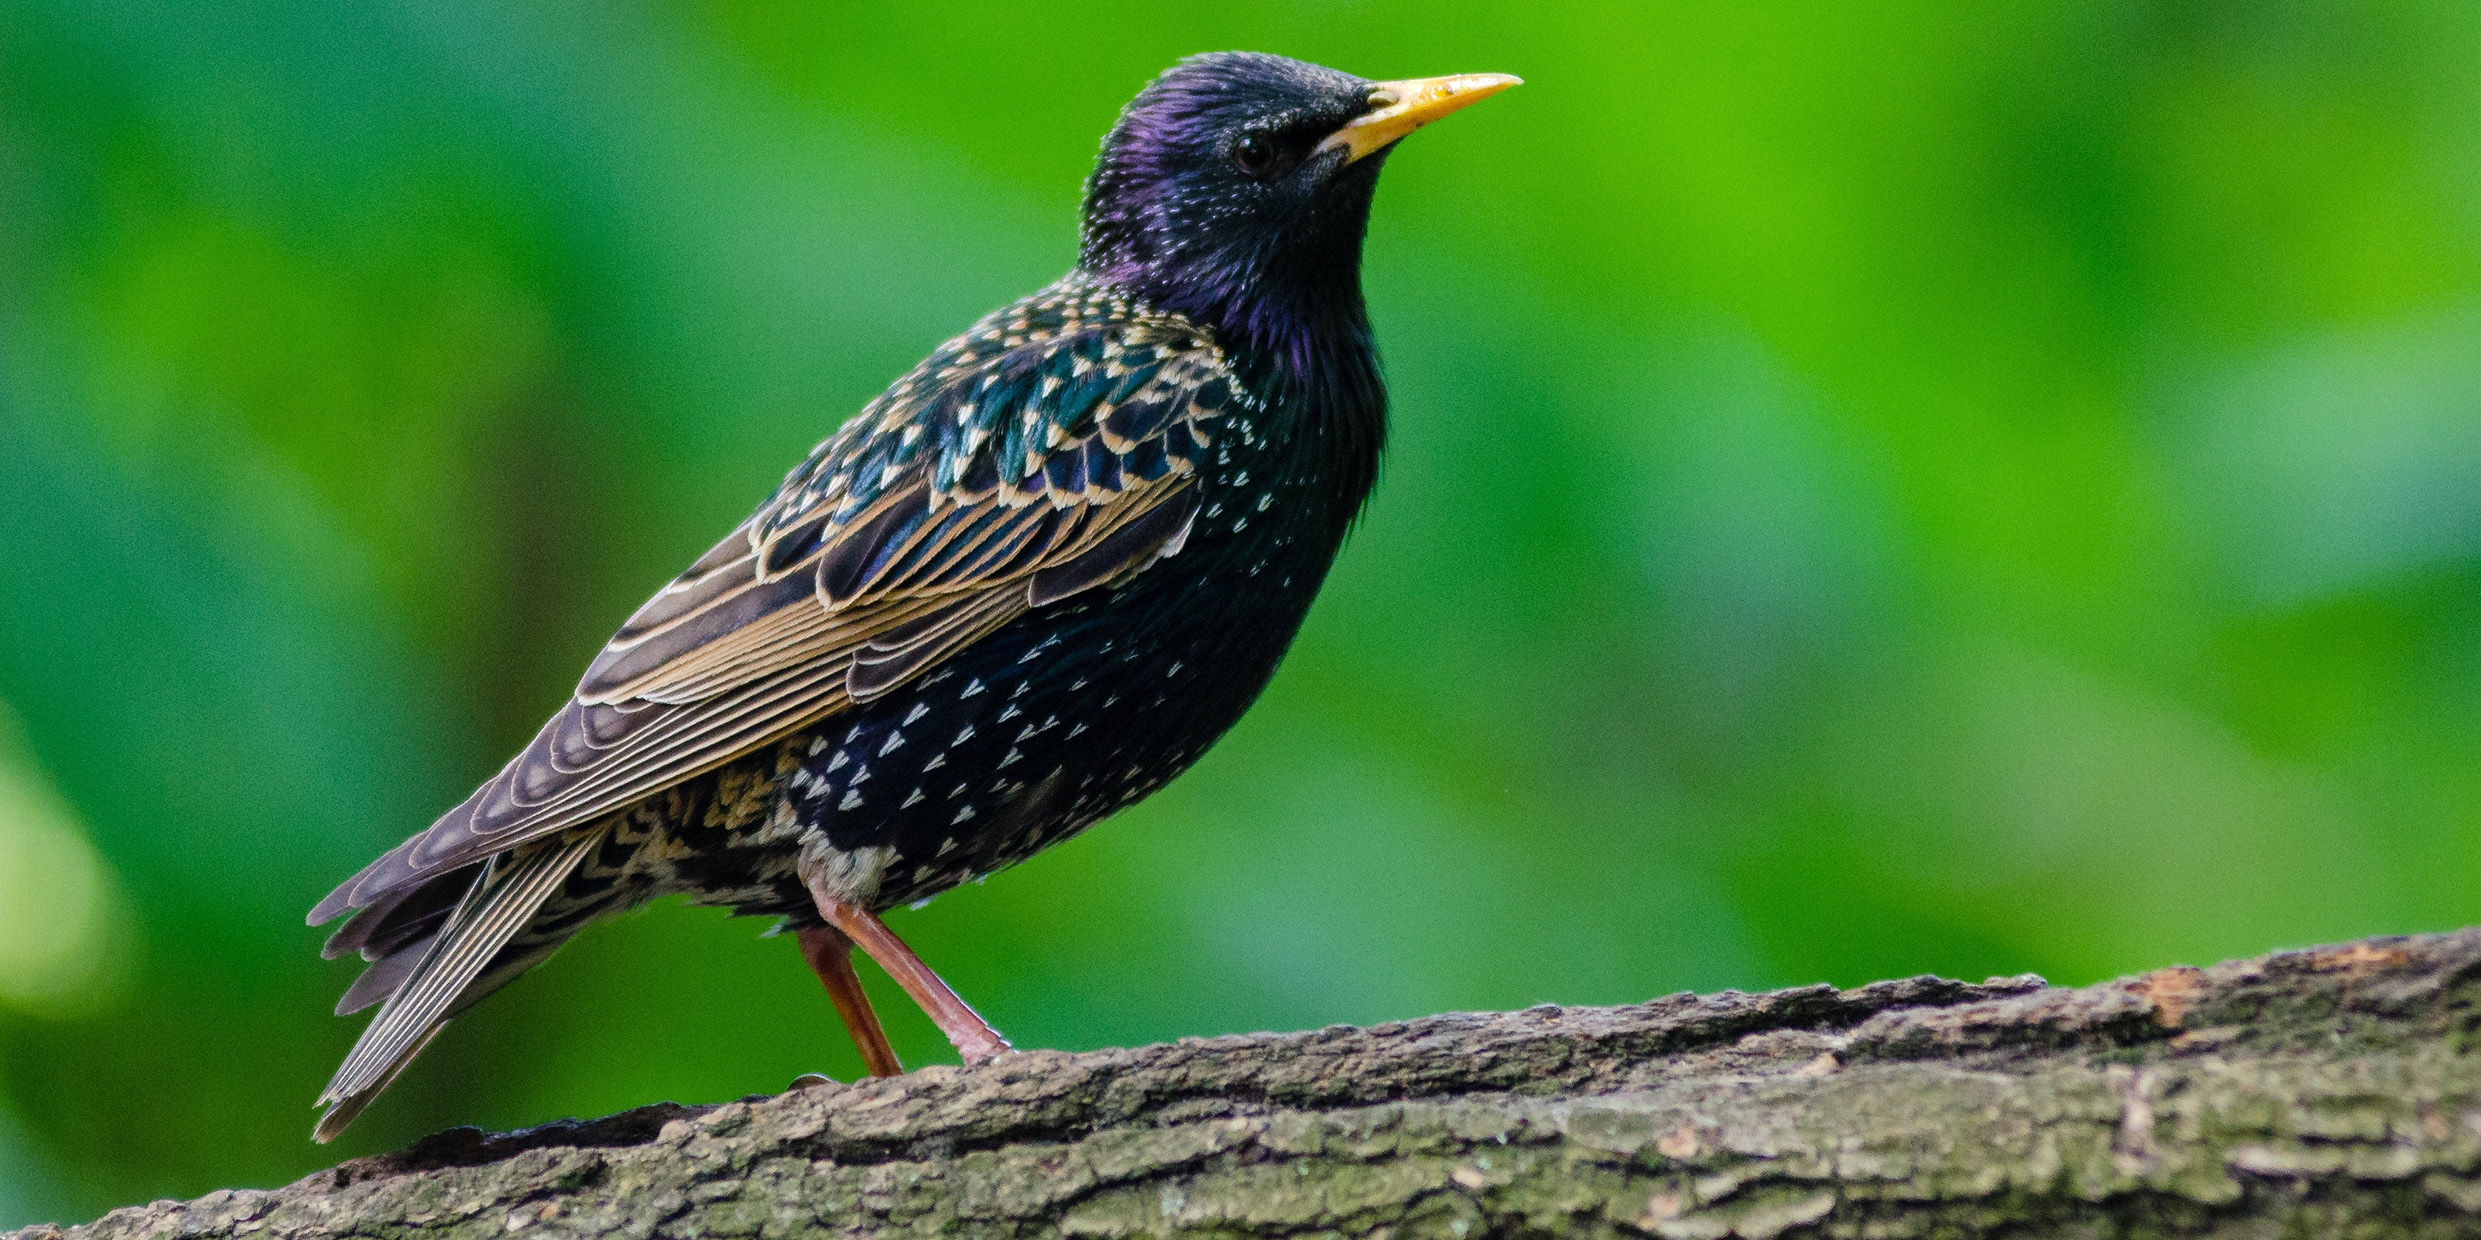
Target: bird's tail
(503,898)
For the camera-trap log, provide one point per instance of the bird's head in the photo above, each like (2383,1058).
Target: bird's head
(1236,188)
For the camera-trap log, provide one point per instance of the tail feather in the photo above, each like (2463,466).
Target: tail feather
(502,899)
(345,1110)
(402,916)
(382,977)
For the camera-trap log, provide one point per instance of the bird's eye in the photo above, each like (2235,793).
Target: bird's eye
(1254,154)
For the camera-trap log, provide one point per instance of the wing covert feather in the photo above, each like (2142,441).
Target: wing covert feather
(1050,451)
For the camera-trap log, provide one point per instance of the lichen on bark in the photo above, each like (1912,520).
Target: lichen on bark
(2326,1092)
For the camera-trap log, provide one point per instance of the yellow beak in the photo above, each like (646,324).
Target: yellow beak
(1399,108)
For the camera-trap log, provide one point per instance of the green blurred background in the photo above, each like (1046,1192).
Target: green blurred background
(1877,488)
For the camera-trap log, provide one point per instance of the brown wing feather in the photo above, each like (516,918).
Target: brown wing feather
(734,655)
(894,657)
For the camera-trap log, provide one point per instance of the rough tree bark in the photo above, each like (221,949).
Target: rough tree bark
(2325,1092)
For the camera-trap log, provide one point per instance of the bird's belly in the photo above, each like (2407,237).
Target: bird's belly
(1012,745)
(1025,743)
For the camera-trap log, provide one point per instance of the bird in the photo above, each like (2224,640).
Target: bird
(1026,586)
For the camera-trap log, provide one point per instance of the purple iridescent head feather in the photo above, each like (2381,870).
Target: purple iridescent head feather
(1270,260)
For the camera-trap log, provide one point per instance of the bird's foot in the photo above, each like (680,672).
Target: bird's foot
(809,1080)
(978,1045)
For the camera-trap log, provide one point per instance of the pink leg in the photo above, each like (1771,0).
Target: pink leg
(973,1038)
(831,957)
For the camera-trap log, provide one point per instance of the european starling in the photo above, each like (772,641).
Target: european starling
(1026,586)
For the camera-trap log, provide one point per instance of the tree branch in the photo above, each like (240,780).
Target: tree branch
(2307,1093)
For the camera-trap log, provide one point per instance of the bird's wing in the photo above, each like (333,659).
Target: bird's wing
(1043,454)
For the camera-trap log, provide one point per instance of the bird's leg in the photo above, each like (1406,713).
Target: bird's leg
(973,1038)
(831,957)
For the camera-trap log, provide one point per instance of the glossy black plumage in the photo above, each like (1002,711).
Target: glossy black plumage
(1025,587)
